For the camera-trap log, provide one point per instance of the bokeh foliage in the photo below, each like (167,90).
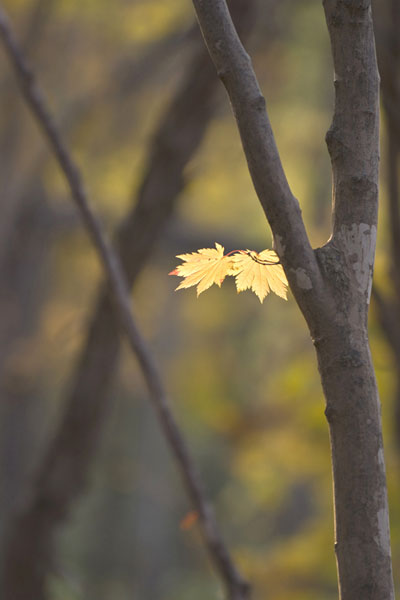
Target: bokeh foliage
(242,376)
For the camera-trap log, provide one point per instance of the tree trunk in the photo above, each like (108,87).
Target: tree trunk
(332,284)
(353,409)
(361,512)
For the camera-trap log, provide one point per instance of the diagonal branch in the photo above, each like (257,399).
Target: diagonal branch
(236,586)
(234,68)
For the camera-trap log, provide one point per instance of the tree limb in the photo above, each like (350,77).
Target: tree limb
(234,583)
(282,210)
(388,319)
(386,24)
(387,27)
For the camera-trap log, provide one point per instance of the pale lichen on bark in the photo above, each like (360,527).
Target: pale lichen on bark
(303,280)
(279,245)
(358,242)
(383,537)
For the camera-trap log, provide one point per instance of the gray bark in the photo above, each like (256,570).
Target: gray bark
(332,284)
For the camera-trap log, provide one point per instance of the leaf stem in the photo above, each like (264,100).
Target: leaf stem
(251,253)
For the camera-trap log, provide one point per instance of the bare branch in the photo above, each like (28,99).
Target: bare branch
(387,27)
(236,586)
(394,208)
(388,319)
(41,12)
(280,206)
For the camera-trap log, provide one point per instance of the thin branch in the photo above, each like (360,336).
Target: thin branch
(394,208)
(388,319)
(388,49)
(280,206)
(41,12)
(236,586)
(387,27)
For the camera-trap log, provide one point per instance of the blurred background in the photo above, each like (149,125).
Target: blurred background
(149,123)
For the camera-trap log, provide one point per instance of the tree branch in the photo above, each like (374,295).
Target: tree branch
(388,319)
(387,27)
(280,206)
(386,24)
(234,583)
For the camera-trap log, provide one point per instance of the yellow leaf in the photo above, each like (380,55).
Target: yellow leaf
(203,268)
(260,273)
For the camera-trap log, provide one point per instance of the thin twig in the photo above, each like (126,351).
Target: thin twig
(235,584)
(88,400)
(387,26)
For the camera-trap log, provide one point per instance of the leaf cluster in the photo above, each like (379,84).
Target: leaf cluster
(259,272)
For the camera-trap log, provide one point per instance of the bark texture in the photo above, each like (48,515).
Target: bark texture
(353,410)
(332,285)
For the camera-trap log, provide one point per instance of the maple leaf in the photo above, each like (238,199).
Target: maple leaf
(203,268)
(260,272)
